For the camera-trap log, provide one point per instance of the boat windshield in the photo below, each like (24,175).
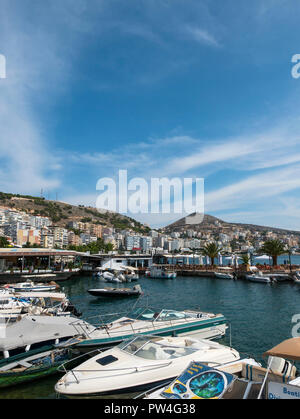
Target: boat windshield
(158,316)
(155,348)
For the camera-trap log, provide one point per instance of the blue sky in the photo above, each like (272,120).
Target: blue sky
(176,88)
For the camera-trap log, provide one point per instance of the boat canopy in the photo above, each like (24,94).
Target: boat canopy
(288,349)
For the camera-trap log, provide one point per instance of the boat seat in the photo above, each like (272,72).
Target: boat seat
(255,373)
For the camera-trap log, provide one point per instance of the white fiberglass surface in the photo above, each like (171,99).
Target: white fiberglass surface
(155,349)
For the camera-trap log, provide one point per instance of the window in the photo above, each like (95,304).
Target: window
(109,359)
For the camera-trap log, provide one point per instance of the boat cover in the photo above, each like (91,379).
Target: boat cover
(36,329)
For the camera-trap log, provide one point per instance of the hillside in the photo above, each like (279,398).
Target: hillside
(215,224)
(62,213)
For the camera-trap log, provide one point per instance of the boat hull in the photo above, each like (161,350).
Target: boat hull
(114,294)
(12,378)
(206,330)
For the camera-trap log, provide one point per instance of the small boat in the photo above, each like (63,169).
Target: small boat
(140,363)
(33,332)
(161,272)
(117,292)
(296,277)
(224,275)
(33,365)
(47,303)
(260,278)
(202,381)
(280,277)
(110,277)
(147,321)
(11,307)
(32,287)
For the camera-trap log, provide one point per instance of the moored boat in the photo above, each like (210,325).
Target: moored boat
(33,332)
(116,292)
(140,363)
(218,381)
(161,272)
(147,321)
(32,287)
(223,275)
(260,278)
(31,366)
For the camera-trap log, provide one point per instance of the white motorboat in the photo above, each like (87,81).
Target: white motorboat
(296,277)
(161,272)
(33,332)
(11,306)
(47,303)
(147,321)
(223,275)
(140,363)
(259,278)
(32,287)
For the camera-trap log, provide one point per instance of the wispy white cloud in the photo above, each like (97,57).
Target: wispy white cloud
(201,35)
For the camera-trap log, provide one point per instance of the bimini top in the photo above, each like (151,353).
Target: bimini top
(289,349)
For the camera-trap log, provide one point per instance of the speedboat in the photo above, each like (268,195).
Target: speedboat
(223,275)
(33,332)
(147,321)
(140,363)
(32,287)
(47,303)
(260,278)
(11,306)
(116,292)
(161,272)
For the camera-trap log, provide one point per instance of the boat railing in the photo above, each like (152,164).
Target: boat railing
(135,369)
(62,368)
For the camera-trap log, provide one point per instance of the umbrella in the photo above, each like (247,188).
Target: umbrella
(262,257)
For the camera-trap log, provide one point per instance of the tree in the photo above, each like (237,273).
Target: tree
(3,242)
(245,259)
(212,250)
(273,248)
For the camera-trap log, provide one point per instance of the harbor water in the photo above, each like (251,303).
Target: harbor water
(260,315)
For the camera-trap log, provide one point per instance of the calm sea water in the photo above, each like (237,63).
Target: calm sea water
(260,314)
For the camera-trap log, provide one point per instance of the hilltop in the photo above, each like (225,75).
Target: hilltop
(61,213)
(215,224)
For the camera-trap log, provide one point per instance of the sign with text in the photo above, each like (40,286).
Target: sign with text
(283,391)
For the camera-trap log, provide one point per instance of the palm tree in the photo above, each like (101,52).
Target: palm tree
(245,259)
(273,248)
(212,250)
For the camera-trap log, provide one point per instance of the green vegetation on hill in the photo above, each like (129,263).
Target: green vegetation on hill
(61,213)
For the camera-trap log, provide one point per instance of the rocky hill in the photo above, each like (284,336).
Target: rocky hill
(62,213)
(214,224)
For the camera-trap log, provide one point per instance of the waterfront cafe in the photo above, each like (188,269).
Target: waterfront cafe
(27,260)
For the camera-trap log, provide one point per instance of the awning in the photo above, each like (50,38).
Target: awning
(288,349)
